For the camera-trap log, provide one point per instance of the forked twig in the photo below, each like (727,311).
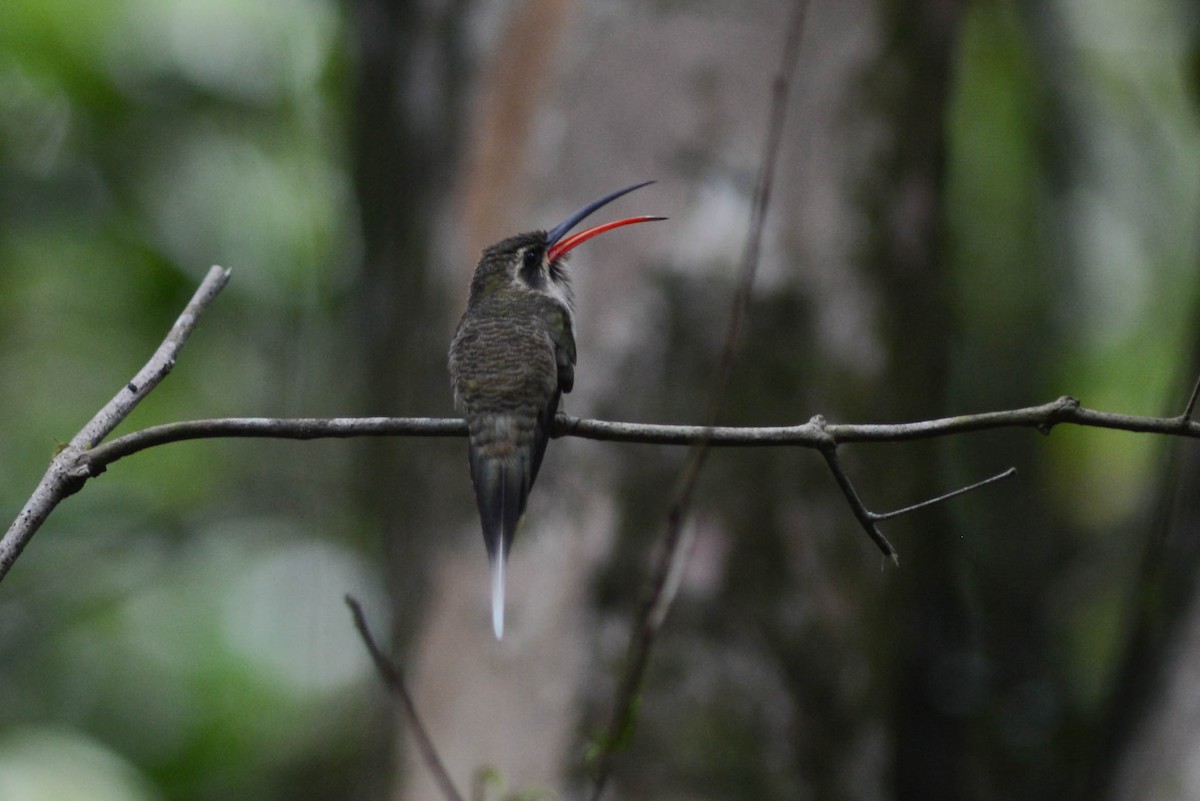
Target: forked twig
(865,516)
(867,519)
(66,474)
(395,683)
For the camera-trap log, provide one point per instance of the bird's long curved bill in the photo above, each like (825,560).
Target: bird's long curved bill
(565,246)
(560,247)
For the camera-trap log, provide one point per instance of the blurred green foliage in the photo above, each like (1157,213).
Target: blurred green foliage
(176,630)
(179,633)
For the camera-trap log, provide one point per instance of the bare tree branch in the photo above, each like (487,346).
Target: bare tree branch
(68,470)
(73,466)
(816,433)
(303,428)
(84,458)
(395,683)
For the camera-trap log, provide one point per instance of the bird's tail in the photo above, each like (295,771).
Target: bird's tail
(498,565)
(501,490)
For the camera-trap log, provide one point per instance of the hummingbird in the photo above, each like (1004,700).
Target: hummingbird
(511,360)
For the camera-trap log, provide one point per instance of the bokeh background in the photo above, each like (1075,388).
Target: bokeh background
(979,205)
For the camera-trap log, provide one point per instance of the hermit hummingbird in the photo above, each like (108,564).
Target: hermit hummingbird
(512,358)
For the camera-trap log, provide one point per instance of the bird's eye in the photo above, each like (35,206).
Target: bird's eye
(532,259)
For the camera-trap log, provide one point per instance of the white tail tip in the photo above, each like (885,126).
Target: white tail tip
(498,597)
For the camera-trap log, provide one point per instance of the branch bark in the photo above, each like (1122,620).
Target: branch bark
(69,469)
(394,679)
(75,464)
(814,434)
(85,457)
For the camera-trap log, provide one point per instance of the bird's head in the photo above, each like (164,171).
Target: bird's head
(536,262)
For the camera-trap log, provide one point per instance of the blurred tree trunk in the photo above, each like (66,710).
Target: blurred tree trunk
(906,263)
(809,699)
(1148,745)
(1137,738)
(1152,733)
(904,278)
(410,79)
(411,75)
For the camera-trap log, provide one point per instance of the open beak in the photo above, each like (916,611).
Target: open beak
(560,247)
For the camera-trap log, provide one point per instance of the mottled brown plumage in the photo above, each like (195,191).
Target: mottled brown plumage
(512,357)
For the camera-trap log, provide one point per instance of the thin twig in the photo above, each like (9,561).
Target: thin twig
(865,516)
(155,370)
(395,683)
(1009,473)
(1191,404)
(672,550)
(67,471)
(867,519)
